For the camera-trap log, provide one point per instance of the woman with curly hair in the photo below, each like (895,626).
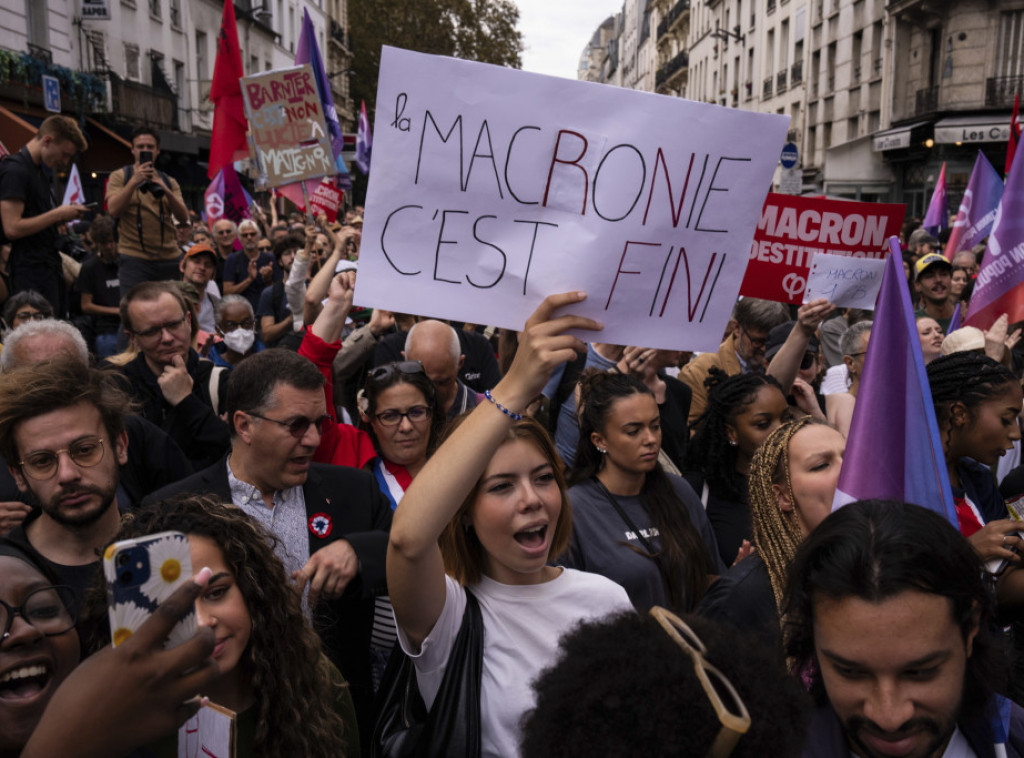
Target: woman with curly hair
(618,487)
(792,480)
(288,698)
(742,411)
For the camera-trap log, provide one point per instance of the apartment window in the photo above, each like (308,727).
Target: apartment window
(36,12)
(784,45)
(174,11)
(858,47)
(202,67)
(1010,44)
(291,28)
(155,10)
(131,62)
(769,53)
(181,89)
(254,64)
(851,128)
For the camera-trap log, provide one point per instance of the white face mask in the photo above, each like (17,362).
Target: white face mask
(240,340)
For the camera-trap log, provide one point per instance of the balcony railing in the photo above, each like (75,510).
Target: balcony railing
(666,72)
(767,91)
(999,91)
(796,73)
(927,101)
(338,34)
(677,10)
(780,82)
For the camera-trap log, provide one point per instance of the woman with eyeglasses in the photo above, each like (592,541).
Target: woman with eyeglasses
(39,645)
(485,517)
(24,307)
(400,409)
(236,326)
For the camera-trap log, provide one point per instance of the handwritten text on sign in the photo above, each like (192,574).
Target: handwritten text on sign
(286,123)
(492,188)
(845,281)
(792,230)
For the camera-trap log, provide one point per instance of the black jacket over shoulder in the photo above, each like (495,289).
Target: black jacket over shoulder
(360,514)
(194,424)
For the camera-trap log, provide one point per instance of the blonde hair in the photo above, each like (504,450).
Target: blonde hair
(777,533)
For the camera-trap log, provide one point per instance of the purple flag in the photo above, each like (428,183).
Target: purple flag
(894,450)
(954,322)
(364,140)
(307,51)
(977,210)
(937,217)
(226,197)
(997,288)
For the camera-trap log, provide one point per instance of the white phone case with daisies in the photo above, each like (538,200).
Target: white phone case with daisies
(141,573)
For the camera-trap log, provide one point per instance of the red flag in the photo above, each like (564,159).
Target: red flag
(229,124)
(1011,143)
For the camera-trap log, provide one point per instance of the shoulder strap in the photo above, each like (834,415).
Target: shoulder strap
(625,517)
(214,387)
(128,171)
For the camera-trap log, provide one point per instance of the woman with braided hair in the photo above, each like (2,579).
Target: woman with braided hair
(619,489)
(977,401)
(793,479)
(742,411)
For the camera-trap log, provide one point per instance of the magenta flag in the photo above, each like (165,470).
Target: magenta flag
(977,210)
(997,289)
(364,140)
(226,197)
(937,217)
(894,449)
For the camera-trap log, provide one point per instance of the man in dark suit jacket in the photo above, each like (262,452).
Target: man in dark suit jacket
(331,522)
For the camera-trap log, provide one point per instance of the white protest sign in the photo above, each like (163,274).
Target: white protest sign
(210,733)
(73,192)
(844,281)
(492,188)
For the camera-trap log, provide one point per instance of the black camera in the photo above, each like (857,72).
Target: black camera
(154,189)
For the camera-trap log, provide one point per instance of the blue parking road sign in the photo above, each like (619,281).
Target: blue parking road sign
(790,155)
(51,93)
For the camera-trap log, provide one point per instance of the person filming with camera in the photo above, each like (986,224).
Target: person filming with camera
(144,199)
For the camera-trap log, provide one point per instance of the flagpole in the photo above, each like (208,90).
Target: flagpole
(309,208)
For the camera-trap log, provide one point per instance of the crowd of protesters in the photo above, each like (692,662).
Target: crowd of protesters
(645,536)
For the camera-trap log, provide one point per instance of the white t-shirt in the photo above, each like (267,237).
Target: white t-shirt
(522,626)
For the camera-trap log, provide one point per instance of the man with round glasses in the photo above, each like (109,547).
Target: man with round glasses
(331,522)
(178,391)
(62,435)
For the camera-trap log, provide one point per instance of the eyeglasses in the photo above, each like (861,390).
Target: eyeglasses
(297,427)
(223,232)
(42,464)
(808,360)
(415,414)
(230,326)
(156,331)
(250,234)
(30,316)
(48,609)
(264,248)
(755,342)
(854,355)
(733,724)
(388,370)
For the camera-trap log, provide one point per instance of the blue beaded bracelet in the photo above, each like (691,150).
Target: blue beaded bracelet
(502,408)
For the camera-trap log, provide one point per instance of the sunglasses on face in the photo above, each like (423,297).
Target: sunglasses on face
(264,248)
(297,427)
(808,360)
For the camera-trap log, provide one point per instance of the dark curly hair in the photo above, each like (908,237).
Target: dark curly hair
(644,697)
(877,549)
(373,388)
(294,687)
(709,452)
(684,560)
(967,378)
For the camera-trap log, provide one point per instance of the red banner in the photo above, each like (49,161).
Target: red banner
(326,199)
(792,229)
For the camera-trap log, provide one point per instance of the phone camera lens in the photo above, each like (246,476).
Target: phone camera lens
(123,559)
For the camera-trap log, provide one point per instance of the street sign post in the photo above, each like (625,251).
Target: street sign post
(51,93)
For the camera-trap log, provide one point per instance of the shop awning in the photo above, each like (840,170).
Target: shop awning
(894,139)
(960,129)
